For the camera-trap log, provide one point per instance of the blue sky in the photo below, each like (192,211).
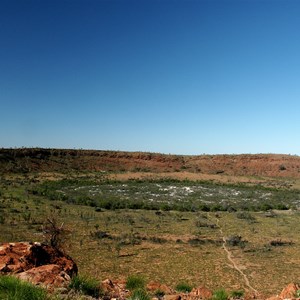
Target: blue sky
(170,76)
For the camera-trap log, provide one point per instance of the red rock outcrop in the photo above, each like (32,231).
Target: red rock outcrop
(48,275)
(289,291)
(153,286)
(37,263)
(201,292)
(115,289)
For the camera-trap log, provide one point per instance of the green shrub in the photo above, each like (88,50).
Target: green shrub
(216,207)
(12,288)
(266,207)
(85,285)
(282,167)
(236,240)
(2,219)
(202,223)
(158,240)
(98,234)
(204,207)
(140,294)
(135,282)
(281,206)
(220,295)
(245,215)
(183,287)
(279,242)
(237,294)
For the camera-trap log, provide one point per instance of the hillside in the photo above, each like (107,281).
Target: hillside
(63,160)
(233,221)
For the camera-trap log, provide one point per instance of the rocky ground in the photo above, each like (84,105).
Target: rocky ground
(49,267)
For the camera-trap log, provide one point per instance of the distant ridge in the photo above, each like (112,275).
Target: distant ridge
(62,160)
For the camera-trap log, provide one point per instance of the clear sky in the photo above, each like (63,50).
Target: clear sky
(182,77)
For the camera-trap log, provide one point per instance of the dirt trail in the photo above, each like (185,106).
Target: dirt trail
(234,264)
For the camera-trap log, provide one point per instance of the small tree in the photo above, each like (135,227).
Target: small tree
(54,234)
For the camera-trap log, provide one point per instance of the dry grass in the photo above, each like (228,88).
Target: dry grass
(223,178)
(157,245)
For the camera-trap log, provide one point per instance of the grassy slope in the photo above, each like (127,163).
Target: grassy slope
(162,247)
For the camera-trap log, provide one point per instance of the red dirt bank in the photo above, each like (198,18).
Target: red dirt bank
(62,160)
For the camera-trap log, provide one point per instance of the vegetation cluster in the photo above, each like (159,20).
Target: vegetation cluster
(166,195)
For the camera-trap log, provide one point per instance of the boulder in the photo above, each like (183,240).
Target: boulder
(289,291)
(154,286)
(172,297)
(50,276)
(37,263)
(107,285)
(115,289)
(201,292)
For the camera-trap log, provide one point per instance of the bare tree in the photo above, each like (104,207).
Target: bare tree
(55,235)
